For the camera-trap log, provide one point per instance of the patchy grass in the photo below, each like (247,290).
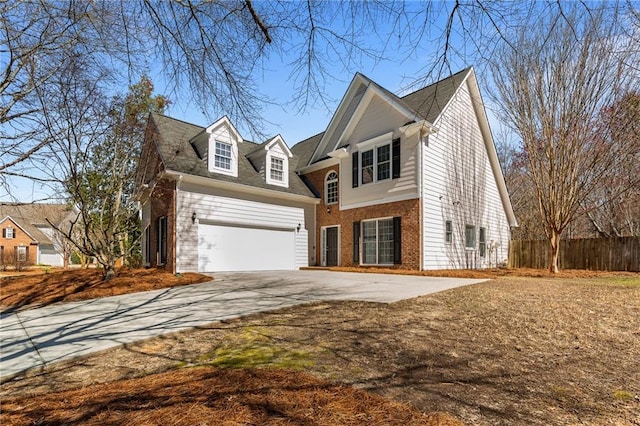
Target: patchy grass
(37,289)
(251,349)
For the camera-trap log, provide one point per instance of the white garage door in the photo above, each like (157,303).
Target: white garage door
(233,248)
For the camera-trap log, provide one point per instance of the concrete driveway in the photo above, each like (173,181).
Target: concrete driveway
(37,337)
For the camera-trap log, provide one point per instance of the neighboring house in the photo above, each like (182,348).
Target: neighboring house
(28,238)
(408,182)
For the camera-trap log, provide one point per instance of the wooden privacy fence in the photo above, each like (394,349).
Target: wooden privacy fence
(602,254)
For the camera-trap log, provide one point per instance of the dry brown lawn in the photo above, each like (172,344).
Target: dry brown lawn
(513,350)
(40,287)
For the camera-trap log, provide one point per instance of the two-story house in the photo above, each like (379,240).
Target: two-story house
(411,182)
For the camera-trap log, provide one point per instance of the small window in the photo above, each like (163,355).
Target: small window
(9,233)
(448,232)
(331,188)
(223,156)
(21,254)
(482,244)
(277,169)
(470,237)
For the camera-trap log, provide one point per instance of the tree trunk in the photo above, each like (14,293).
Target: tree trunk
(109,270)
(554,240)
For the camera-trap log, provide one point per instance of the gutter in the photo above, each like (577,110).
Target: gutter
(247,189)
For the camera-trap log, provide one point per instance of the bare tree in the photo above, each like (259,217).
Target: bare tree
(553,80)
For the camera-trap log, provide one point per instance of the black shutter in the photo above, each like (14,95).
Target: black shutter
(354,170)
(397,240)
(356,243)
(4,232)
(395,158)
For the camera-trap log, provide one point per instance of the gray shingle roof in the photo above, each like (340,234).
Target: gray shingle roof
(30,216)
(429,101)
(177,154)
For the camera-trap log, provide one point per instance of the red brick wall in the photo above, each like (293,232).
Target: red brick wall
(409,210)
(163,204)
(8,254)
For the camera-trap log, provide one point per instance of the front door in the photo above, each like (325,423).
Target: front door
(332,246)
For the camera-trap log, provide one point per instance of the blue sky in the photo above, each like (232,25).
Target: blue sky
(399,72)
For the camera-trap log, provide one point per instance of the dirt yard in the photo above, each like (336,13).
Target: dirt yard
(513,350)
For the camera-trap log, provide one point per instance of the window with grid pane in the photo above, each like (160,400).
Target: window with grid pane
(331,188)
(377,241)
(277,169)
(366,164)
(384,162)
(223,155)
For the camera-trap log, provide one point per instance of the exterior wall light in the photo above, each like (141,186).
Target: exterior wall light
(193,217)
(298,228)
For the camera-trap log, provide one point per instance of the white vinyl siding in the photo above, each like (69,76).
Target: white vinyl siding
(459,186)
(377,119)
(222,208)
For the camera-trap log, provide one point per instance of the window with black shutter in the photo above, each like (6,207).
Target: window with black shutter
(397,240)
(395,158)
(356,242)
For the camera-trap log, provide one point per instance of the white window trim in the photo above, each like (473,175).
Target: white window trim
(285,170)
(362,262)
(482,252)
(323,244)
(326,187)
(475,237)
(233,170)
(448,233)
(374,148)
(21,254)
(13,232)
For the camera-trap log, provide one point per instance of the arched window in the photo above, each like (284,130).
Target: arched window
(331,188)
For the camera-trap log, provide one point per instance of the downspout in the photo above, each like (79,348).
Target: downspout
(421,186)
(174,232)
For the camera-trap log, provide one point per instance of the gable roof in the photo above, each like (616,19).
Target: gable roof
(423,104)
(31,217)
(173,143)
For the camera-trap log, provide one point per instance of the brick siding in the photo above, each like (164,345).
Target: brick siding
(8,254)
(330,215)
(163,204)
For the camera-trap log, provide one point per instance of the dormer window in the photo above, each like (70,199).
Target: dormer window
(277,169)
(223,156)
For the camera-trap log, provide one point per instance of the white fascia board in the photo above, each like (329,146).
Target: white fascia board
(476,98)
(238,187)
(357,79)
(327,162)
